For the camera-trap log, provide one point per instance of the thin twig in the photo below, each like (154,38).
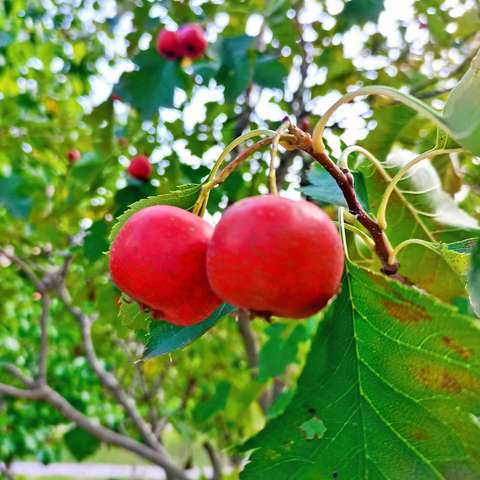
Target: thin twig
(108,379)
(43,355)
(25,269)
(251,349)
(53,398)
(344,180)
(215,461)
(17,373)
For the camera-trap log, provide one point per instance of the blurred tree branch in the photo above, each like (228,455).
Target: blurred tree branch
(39,389)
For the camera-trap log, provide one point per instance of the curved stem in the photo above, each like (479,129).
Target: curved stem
(240,158)
(343,160)
(272,182)
(231,146)
(411,241)
(389,92)
(382,209)
(200,204)
(356,230)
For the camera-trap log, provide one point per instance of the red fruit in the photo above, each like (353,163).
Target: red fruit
(192,40)
(168,44)
(159,259)
(276,256)
(73,155)
(115,97)
(140,167)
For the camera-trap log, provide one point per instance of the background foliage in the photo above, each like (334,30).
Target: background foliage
(61,61)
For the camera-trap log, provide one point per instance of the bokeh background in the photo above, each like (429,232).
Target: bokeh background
(85,75)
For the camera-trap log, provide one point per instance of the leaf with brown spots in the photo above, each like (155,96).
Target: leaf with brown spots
(394,375)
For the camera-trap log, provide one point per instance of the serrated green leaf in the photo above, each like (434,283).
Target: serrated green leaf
(474,279)
(394,376)
(184,197)
(165,337)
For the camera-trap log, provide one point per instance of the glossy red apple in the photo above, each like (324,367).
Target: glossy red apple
(275,256)
(140,167)
(73,155)
(159,259)
(168,45)
(192,40)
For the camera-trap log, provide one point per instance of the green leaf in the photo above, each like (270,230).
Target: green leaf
(474,279)
(81,444)
(12,198)
(152,85)
(184,197)
(280,404)
(269,72)
(419,208)
(394,376)
(236,65)
(358,12)
(280,350)
(323,189)
(207,409)
(87,167)
(96,241)
(101,121)
(165,337)
(462,110)
(391,121)
(132,193)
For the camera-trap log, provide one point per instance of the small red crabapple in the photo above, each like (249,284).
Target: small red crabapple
(73,155)
(192,40)
(140,167)
(168,45)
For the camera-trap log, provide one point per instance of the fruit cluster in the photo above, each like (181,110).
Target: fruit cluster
(189,41)
(268,254)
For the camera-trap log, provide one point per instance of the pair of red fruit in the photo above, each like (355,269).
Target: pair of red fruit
(268,254)
(188,42)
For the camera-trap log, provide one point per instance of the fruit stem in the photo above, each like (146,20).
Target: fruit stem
(411,241)
(352,228)
(234,144)
(389,92)
(240,158)
(382,209)
(272,181)
(201,203)
(343,160)
(383,249)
